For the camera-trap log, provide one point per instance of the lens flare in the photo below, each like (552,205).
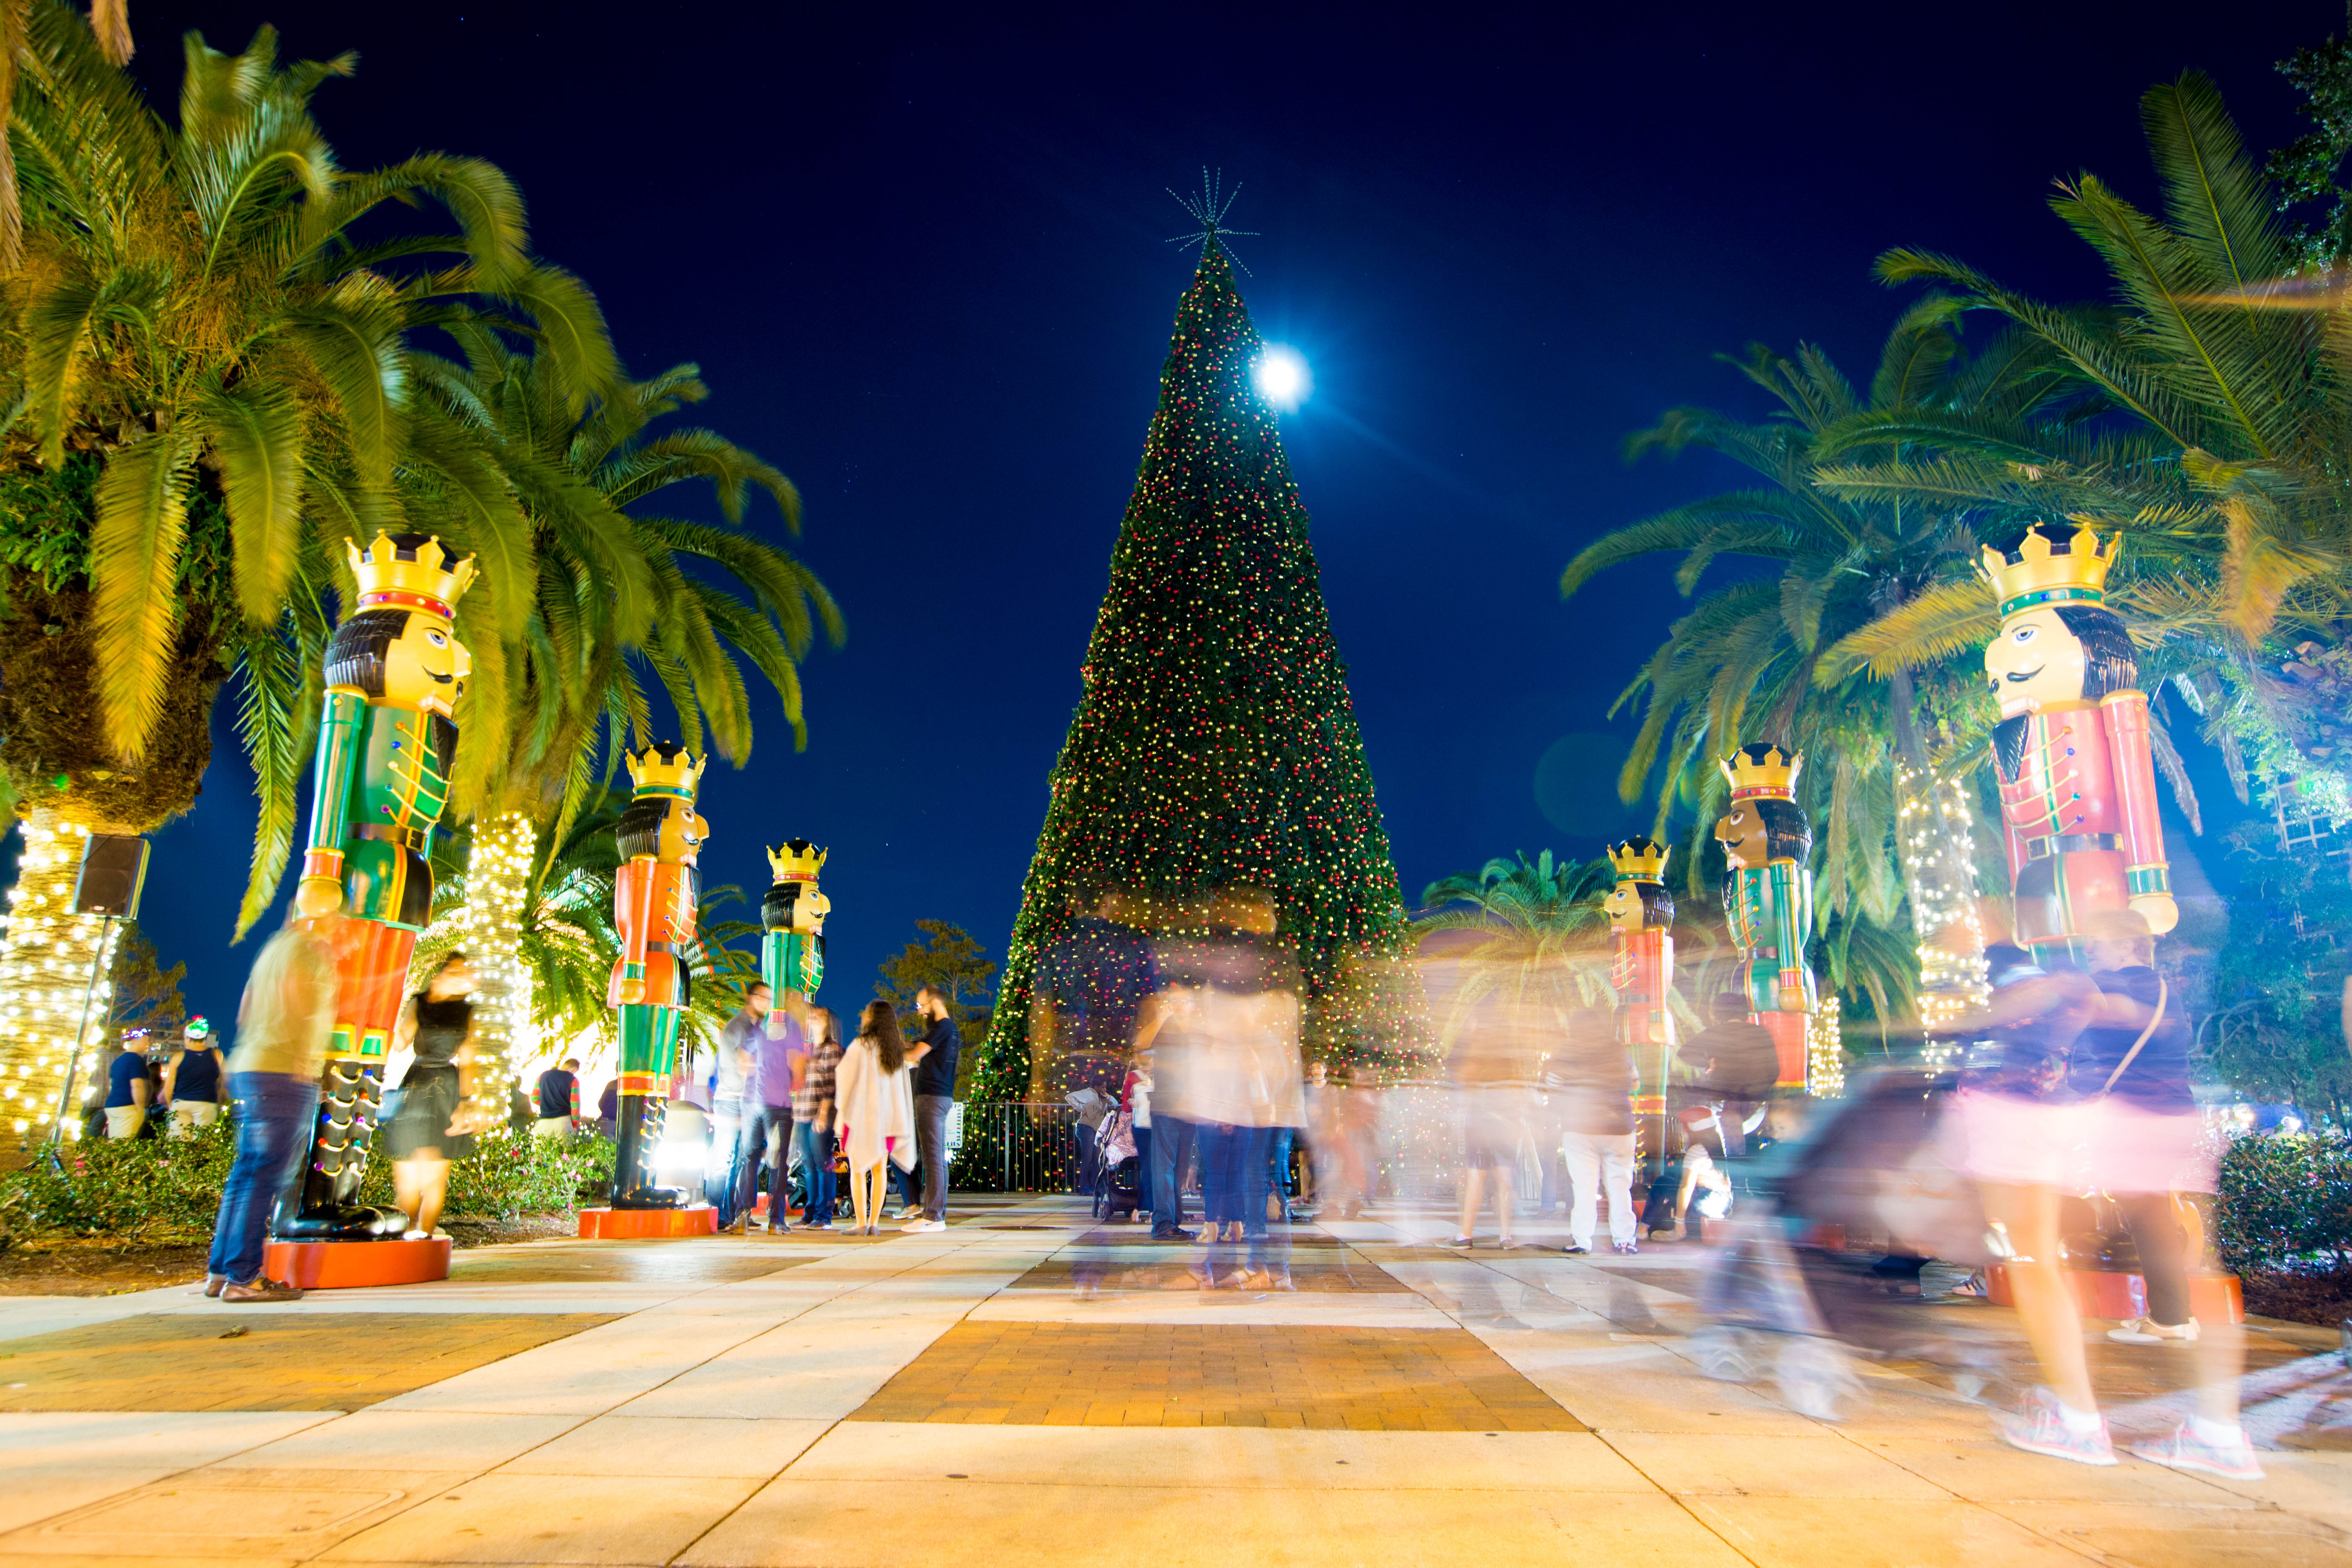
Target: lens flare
(1282,376)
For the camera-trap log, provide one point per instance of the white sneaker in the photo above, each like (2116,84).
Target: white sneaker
(2148,1332)
(914,1224)
(912,1211)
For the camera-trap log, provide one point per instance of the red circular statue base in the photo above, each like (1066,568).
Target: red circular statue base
(348,1265)
(632,1225)
(2212,1298)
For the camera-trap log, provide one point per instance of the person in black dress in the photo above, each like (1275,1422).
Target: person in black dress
(435,1121)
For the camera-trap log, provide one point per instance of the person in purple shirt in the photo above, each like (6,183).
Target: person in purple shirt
(773,1062)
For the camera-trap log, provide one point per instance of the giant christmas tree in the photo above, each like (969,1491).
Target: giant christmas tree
(1214,746)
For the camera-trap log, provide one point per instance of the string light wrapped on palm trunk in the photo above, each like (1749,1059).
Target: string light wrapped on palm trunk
(48,956)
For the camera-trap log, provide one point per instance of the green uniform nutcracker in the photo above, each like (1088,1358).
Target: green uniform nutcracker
(387,740)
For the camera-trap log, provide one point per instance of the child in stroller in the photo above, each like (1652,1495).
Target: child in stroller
(1118,1180)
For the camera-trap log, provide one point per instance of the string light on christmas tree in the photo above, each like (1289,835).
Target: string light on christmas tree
(1936,832)
(1215,745)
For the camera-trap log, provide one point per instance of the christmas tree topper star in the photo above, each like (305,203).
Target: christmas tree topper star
(1208,211)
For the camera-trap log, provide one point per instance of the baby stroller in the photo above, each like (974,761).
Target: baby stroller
(1118,1180)
(1785,1289)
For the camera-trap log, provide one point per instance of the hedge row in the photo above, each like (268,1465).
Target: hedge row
(2286,1205)
(170,1189)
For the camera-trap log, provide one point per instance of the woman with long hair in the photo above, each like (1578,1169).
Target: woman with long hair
(873,1108)
(435,1121)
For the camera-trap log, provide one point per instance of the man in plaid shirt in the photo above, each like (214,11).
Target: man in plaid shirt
(813,1118)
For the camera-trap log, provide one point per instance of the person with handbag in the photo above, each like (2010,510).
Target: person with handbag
(2148,1144)
(2018,1123)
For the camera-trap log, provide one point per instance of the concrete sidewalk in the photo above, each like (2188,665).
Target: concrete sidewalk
(1026,1387)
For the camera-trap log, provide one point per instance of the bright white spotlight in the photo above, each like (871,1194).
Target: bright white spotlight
(1283,378)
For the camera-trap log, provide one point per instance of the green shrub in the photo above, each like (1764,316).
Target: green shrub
(170,1189)
(509,1175)
(2286,1205)
(140,1190)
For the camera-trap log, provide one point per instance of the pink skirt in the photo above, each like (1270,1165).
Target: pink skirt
(2105,1145)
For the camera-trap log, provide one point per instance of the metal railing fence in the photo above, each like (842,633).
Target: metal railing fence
(1015,1146)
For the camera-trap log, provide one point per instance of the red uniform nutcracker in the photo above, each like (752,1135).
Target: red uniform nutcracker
(1642,918)
(2072,754)
(655,895)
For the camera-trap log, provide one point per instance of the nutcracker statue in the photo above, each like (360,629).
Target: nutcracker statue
(791,953)
(1768,896)
(387,738)
(1641,919)
(653,898)
(2072,754)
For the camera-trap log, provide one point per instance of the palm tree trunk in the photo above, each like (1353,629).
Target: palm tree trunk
(49,957)
(498,883)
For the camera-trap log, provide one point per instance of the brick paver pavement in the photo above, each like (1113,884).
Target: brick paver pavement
(341,1361)
(1221,1374)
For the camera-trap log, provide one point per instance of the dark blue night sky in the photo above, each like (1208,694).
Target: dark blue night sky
(920,260)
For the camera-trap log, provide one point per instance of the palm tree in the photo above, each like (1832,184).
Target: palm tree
(208,383)
(618,591)
(109,23)
(1747,663)
(2220,458)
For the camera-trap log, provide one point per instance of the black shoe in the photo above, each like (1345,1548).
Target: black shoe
(1172,1234)
(1576,1251)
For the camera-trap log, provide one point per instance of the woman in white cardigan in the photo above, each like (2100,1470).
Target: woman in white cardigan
(874,1107)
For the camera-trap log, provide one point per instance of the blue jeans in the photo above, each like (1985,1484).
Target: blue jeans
(718,1175)
(815,1145)
(1233,1174)
(767,1135)
(1171,1151)
(1144,1194)
(1278,1143)
(274,1115)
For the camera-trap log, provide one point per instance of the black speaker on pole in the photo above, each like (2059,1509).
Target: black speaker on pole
(113,870)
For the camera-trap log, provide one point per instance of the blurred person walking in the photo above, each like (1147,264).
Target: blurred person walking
(2020,1124)
(1163,1048)
(873,1108)
(736,1039)
(812,1117)
(776,1064)
(1736,1065)
(2148,1144)
(1596,1077)
(192,1080)
(432,1122)
(934,1061)
(557,1094)
(1493,1069)
(283,1025)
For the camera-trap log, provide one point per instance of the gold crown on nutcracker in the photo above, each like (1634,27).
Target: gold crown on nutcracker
(798,861)
(1763,771)
(1640,859)
(413,571)
(665,767)
(2041,575)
